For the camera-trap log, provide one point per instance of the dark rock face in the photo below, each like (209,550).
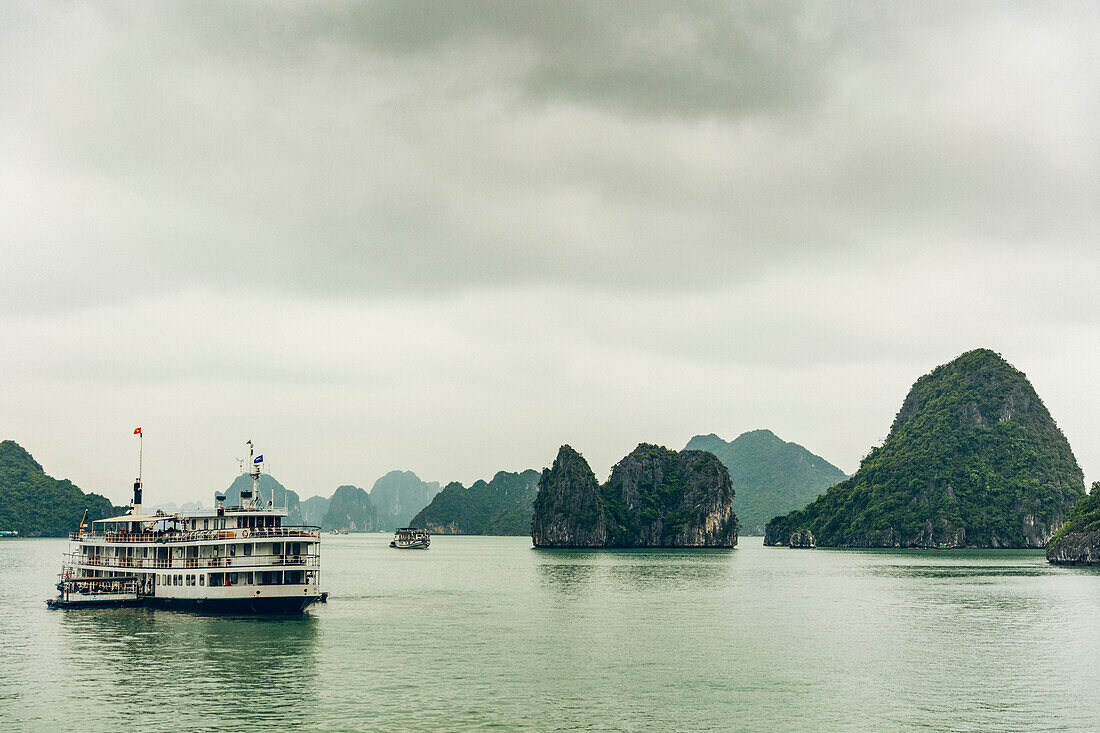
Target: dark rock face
(1078,541)
(655,497)
(802,540)
(973,459)
(568,510)
(1075,548)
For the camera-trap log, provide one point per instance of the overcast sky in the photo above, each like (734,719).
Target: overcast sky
(449,237)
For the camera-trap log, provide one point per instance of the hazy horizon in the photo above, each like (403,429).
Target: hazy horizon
(450,238)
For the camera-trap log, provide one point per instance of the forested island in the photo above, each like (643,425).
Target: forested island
(770,476)
(973,459)
(501,506)
(36,505)
(655,497)
(1077,542)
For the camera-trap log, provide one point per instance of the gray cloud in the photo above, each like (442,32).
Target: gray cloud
(532,223)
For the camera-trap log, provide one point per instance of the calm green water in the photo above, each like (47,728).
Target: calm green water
(489,633)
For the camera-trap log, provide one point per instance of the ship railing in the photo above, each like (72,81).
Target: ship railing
(200,535)
(188,563)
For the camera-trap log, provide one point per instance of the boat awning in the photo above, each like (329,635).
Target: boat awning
(138,518)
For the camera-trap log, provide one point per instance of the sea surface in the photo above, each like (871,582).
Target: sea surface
(487,633)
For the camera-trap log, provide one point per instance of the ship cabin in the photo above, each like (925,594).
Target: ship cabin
(208,555)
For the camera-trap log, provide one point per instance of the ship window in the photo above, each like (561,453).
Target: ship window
(206,524)
(276,548)
(215,550)
(233,550)
(202,580)
(248,549)
(232,578)
(297,549)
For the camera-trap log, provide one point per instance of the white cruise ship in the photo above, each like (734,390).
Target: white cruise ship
(235,559)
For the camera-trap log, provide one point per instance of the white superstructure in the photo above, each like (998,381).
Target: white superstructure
(231,558)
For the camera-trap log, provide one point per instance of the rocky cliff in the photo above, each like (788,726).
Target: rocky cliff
(1078,540)
(568,508)
(655,497)
(973,459)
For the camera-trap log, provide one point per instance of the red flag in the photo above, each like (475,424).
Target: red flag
(137,431)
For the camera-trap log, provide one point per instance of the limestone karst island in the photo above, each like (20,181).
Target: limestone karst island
(655,497)
(973,459)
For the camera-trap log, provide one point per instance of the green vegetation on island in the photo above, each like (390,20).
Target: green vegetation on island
(36,505)
(501,506)
(1077,542)
(770,476)
(973,459)
(655,497)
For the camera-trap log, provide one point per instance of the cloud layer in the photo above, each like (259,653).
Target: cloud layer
(449,237)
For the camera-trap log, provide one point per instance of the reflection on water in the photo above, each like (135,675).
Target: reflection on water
(572,571)
(213,671)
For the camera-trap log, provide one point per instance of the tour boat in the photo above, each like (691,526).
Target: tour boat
(411,538)
(236,559)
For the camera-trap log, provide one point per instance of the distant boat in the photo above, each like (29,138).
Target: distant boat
(9,533)
(335,531)
(343,531)
(411,538)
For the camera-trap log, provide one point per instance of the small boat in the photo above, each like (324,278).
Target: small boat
(411,538)
(335,531)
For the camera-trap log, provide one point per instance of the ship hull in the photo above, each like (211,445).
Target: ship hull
(279,605)
(229,606)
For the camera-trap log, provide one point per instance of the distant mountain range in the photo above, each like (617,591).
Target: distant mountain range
(391,503)
(770,476)
(36,505)
(502,506)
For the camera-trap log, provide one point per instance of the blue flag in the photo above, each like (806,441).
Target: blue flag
(258,459)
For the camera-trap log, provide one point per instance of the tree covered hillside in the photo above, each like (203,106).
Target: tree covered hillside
(38,505)
(973,459)
(770,476)
(502,506)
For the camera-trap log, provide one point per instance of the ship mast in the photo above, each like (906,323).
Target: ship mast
(137,484)
(249,497)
